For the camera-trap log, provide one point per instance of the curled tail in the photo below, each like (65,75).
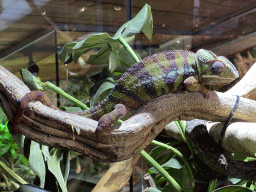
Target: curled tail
(99,110)
(107,112)
(30,96)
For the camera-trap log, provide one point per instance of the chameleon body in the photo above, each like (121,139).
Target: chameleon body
(156,75)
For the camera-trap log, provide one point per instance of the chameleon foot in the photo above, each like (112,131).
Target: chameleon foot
(105,122)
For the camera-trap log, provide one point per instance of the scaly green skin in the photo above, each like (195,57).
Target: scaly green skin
(159,74)
(156,75)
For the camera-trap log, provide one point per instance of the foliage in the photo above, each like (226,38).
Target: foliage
(113,56)
(10,155)
(111,52)
(8,148)
(175,164)
(233,189)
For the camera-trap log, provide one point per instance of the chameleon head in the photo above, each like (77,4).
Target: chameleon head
(214,70)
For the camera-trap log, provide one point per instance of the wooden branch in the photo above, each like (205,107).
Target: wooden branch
(246,87)
(61,129)
(238,138)
(214,156)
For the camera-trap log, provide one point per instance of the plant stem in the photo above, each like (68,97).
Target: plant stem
(11,174)
(190,169)
(182,127)
(64,94)
(161,170)
(67,96)
(212,185)
(129,49)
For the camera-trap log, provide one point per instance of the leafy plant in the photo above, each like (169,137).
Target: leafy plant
(8,148)
(178,164)
(112,52)
(10,155)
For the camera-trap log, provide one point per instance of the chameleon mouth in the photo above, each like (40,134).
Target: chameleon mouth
(216,80)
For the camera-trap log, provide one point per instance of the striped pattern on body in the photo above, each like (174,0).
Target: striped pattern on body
(156,75)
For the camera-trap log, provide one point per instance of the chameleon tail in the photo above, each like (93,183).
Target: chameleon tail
(106,113)
(30,96)
(106,120)
(98,111)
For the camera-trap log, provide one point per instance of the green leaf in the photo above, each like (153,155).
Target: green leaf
(126,58)
(103,91)
(156,151)
(66,162)
(160,180)
(141,22)
(152,170)
(74,50)
(101,57)
(3,118)
(24,161)
(76,54)
(94,41)
(239,156)
(151,189)
(4,150)
(29,79)
(70,109)
(13,152)
(212,185)
(113,60)
(168,162)
(54,167)
(121,56)
(36,162)
(233,189)
(174,163)
(236,181)
(66,53)
(46,152)
(164,158)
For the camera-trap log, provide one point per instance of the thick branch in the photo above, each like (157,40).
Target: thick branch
(214,156)
(239,137)
(61,129)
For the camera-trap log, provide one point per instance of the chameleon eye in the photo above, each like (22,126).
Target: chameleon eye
(217,67)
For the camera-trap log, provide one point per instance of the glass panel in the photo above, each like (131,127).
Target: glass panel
(37,54)
(34,50)
(31,30)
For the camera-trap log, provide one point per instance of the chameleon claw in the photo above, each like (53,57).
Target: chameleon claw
(204,91)
(206,95)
